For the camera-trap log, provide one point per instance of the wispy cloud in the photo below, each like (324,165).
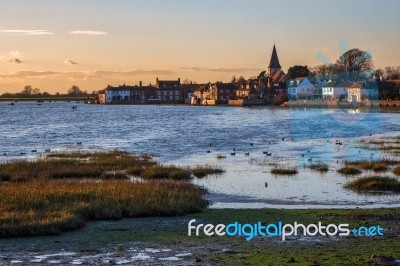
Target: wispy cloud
(221,69)
(88,32)
(14,60)
(70,62)
(14,57)
(27,32)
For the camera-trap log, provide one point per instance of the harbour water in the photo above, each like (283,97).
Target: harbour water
(191,135)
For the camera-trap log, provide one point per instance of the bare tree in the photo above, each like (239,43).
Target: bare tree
(392,72)
(324,72)
(35,91)
(75,91)
(355,65)
(27,90)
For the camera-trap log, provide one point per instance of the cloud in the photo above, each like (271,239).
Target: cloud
(14,60)
(70,62)
(27,32)
(14,57)
(221,69)
(88,32)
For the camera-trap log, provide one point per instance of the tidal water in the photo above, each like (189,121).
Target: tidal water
(184,134)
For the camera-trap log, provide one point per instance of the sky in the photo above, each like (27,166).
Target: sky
(53,45)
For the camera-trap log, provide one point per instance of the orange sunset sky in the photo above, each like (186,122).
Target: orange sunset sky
(53,45)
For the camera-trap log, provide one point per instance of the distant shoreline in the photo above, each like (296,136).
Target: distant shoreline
(48,99)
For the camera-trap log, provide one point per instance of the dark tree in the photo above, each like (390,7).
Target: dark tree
(298,72)
(324,72)
(75,91)
(27,90)
(355,65)
(392,73)
(262,74)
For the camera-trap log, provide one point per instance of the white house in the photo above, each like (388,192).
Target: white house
(117,93)
(363,91)
(300,88)
(335,90)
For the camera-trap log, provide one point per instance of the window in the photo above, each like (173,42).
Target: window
(221,91)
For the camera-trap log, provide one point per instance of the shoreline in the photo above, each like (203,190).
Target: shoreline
(165,241)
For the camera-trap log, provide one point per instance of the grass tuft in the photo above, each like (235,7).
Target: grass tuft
(374,184)
(165,172)
(319,166)
(220,156)
(349,171)
(204,170)
(284,171)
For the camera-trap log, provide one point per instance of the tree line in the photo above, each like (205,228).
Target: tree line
(30,92)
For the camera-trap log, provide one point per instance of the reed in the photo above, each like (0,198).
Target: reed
(396,171)
(319,166)
(374,184)
(200,171)
(284,171)
(349,171)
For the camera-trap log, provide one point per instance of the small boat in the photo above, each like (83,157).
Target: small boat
(269,153)
(247,154)
(12,103)
(233,153)
(74,107)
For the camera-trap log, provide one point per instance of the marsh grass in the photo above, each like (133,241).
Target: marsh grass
(284,171)
(73,165)
(52,206)
(319,166)
(374,184)
(165,172)
(396,171)
(349,171)
(220,156)
(388,144)
(200,171)
(62,191)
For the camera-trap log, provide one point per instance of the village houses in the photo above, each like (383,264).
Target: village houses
(254,91)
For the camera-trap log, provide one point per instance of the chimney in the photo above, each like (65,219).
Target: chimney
(157,79)
(140,83)
(179,80)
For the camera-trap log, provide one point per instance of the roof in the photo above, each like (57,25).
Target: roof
(225,86)
(128,88)
(338,84)
(274,63)
(168,83)
(278,76)
(292,83)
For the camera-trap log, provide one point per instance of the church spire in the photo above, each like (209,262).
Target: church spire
(274,63)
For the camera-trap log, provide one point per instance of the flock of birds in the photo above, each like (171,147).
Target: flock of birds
(36,150)
(233,153)
(267,153)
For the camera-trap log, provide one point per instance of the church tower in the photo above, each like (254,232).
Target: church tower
(274,65)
